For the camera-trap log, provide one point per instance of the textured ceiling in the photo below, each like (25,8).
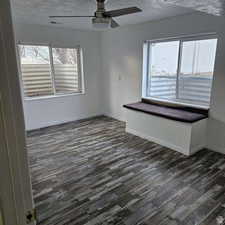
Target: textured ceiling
(37,11)
(215,7)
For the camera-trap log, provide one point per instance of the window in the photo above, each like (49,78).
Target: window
(180,70)
(48,71)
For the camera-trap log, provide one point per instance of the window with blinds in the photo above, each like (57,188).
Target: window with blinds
(180,70)
(49,71)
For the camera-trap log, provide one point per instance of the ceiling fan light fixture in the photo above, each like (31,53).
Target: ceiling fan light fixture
(101,23)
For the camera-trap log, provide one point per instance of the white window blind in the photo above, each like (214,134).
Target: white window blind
(50,71)
(180,70)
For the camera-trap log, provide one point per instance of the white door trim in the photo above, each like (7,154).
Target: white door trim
(15,185)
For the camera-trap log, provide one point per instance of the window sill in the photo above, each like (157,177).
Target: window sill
(171,103)
(52,96)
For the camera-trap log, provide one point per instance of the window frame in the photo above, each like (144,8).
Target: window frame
(52,73)
(146,66)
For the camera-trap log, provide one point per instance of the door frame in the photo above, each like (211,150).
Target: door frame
(15,186)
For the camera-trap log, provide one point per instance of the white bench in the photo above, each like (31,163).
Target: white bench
(184,137)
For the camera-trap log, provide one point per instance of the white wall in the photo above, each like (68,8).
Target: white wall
(122,66)
(50,111)
(113,70)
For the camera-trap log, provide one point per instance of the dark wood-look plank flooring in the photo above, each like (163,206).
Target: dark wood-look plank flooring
(93,173)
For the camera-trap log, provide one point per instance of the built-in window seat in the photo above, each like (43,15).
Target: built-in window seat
(180,128)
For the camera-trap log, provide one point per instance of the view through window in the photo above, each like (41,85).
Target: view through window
(181,70)
(50,71)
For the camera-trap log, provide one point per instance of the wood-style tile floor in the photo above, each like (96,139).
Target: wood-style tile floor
(93,173)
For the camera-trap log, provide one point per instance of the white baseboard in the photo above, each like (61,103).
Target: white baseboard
(218,149)
(114,117)
(55,123)
(158,141)
(197,148)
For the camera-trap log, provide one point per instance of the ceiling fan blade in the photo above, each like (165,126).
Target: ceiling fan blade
(55,23)
(122,12)
(114,24)
(70,16)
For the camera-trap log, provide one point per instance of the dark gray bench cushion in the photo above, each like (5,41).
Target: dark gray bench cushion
(177,114)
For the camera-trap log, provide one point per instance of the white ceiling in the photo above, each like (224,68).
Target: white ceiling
(37,11)
(214,7)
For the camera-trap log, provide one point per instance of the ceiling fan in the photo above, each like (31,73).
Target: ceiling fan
(103,18)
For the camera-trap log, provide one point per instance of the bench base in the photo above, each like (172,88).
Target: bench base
(186,138)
